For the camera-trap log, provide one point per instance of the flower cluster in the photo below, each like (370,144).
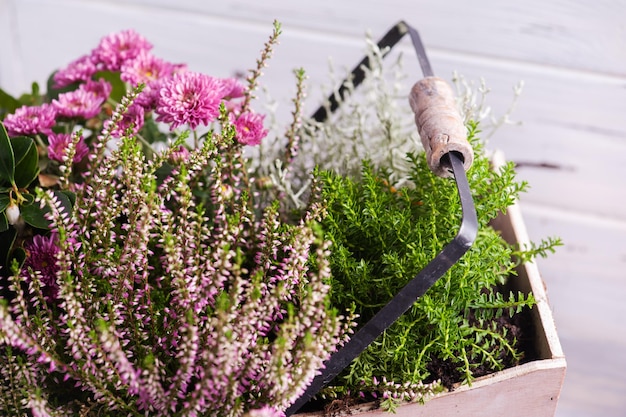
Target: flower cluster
(153,281)
(152,265)
(175,95)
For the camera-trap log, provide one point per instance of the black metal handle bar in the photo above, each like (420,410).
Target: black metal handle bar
(434,270)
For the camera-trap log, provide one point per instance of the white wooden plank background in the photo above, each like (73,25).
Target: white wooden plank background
(571,55)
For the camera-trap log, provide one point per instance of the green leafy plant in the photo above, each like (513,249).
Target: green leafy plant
(384,235)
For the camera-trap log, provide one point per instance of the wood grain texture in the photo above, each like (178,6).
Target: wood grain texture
(439,124)
(571,145)
(586,289)
(584,35)
(531,389)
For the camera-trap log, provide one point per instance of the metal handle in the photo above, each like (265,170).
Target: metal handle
(432,101)
(407,296)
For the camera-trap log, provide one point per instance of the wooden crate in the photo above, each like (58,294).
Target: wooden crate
(530,389)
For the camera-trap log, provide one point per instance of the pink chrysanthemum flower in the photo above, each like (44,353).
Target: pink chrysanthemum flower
(30,120)
(42,257)
(232,88)
(79,70)
(132,119)
(58,143)
(78,103)
(189,98)
(149,96)
(117,48)
(101,88)
(249,128)
(144,68)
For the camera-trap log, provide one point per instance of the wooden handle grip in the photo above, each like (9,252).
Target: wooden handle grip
(439,124)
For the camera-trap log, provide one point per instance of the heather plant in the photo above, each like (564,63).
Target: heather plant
(154,282)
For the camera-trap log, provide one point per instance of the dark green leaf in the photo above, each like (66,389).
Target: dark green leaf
(4,226)
(71,197)
(151,132)
(53,93)
(19,255)
(4,202)
(35,216)
(7,237)
(7,161)
(26,160)
(8,104)
(119,88)
(65,200)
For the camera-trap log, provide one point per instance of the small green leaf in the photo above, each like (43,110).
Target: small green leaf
(35,89)
(7,160)
(26,161)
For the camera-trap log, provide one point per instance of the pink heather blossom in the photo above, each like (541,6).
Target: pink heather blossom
(79,70)
(101,88)
(189,98)
(78,103)
(58,143)
(180,155)
(265,411)
(30,120)
(42,257)
(132,119)
(116,49)
(145,68)
(248,127)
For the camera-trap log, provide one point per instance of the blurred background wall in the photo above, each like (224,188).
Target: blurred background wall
(570,54)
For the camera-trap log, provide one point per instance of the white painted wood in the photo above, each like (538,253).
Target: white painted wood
(517,392)
(586,289)
(9,64)
(562,111)
(578,34)
(513,229)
